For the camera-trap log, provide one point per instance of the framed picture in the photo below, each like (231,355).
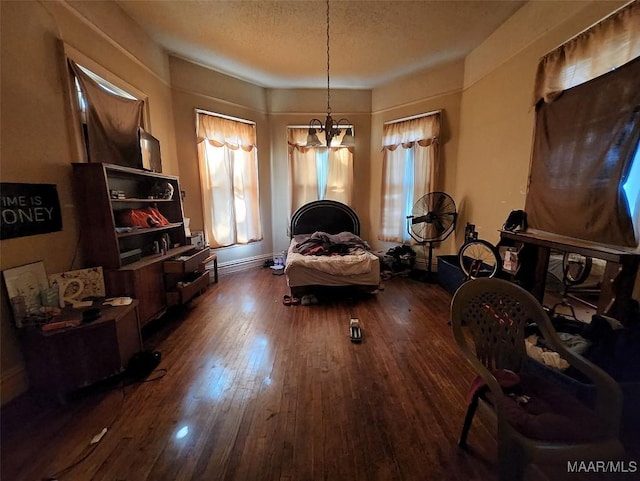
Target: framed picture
(79,284)
(25,285)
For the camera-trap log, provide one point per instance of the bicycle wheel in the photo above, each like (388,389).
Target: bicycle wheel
(479,258)
(576,267)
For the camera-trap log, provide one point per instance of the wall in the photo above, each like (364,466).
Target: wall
(195,87)
(496,132)
(426,91)
(37,142)
(486,135)
(298,107)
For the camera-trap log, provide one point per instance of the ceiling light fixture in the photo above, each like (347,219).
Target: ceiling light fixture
(330,128)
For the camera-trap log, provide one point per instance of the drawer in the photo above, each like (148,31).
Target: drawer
(183,292)
(187,262)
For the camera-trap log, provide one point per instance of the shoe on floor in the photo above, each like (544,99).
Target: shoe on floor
(354,330)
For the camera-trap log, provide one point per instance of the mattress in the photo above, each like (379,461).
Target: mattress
(362,269)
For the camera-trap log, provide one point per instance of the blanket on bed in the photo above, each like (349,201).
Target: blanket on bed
(324,244)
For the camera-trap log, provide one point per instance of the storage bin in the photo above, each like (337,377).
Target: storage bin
(586,392)
(450,276)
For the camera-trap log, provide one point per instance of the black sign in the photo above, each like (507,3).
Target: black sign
(29,209)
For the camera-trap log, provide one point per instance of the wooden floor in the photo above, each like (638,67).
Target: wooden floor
(256,390)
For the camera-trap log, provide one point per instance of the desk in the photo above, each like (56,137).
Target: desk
(619,277)
(64,360)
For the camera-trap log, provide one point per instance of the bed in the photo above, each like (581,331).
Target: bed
(306,273)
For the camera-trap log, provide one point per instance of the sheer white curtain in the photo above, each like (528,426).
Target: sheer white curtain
(318,173)
(227,157)
(604,47)
(410,153)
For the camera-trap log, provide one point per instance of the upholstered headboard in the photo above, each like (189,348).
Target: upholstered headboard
(325,216)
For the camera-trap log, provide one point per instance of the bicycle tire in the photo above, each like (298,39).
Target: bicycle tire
(479,258)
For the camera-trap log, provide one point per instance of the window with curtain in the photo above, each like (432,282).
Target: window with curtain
(409,163)
(110,119)
(319,173)
(228,162)
(584,168)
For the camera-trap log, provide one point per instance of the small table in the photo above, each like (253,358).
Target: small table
(534,248)
(63,360)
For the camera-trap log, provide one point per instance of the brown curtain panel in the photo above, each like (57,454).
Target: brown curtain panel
(112,124)
(583,148)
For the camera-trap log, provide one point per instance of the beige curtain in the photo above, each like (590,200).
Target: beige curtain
(112,123)
(227,157)
(604,47)
(317,173)
(409,170)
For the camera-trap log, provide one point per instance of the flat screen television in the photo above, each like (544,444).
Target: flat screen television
(150,151)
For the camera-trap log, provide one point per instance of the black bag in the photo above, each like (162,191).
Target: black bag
(516,222)
(143,363)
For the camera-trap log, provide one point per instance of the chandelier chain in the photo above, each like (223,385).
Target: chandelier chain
(328,64)
(331,128)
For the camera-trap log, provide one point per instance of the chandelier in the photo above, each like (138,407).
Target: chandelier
(331,128)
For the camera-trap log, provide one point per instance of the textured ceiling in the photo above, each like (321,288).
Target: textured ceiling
(283,43)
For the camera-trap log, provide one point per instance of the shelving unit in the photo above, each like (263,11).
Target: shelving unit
(131,257)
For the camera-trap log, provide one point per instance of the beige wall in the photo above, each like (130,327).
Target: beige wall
(37,145)
(486,135)
(195,87)
(496,131)
(427,91)
(298,107)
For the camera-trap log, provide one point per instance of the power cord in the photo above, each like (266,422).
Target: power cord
(95,440)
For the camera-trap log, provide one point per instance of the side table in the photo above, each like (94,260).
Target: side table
(63,360)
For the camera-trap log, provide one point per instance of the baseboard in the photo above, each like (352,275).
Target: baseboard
(245,264)
(13,382)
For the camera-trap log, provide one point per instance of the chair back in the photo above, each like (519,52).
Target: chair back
(495,313)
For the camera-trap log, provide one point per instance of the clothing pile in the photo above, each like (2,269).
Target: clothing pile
(323,244)
(604,341)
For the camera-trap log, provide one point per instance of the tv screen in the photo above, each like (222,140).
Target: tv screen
(150,151)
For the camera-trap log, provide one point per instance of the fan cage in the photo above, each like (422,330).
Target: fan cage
(436,215)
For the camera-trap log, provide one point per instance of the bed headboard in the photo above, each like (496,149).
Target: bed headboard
(327,216)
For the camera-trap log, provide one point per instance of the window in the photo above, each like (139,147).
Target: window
(632,190)
(105,84)
(584,167)
(410,157)
(228,161)
(110,119)
(319,173)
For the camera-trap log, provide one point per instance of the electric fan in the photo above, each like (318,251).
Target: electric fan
(432,219)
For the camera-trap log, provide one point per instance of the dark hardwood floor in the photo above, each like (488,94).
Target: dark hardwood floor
(256,390)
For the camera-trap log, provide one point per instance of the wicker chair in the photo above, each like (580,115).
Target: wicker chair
(537,423)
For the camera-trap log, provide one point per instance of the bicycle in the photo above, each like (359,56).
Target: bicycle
(478,257)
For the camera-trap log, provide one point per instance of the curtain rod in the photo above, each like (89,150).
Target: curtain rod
(413,117)
(228,117)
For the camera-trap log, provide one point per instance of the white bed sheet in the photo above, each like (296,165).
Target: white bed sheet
(360,269)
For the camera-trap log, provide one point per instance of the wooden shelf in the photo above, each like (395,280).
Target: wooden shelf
(103,245)
(149,230)
(152,259)
(136,200)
